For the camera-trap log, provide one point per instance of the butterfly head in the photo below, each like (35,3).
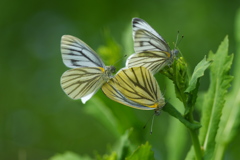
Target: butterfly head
(160,104)
(157,112)
(175,52)
(109,70)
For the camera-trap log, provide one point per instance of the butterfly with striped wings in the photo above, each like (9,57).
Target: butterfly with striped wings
(135,87)
(88,72)
(151,50)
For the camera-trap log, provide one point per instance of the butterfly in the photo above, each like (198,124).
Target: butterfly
(88,72)
(135,87)
(151,50)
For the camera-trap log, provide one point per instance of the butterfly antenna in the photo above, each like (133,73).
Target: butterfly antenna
(175,46)
(152,124)
(147,121)
(178,42)
(120,59)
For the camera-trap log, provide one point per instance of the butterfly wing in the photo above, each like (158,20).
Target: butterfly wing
(79,83)
(139,24)
(154,61)
(76,53)
(151,50)
(136,85)
(111,92)
(89,72)
(146,41)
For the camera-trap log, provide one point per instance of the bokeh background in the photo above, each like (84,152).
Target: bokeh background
(37,119)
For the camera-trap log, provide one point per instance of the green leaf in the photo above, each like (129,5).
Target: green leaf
(100,111)
(230,120)
(197,73)
(111,51)
(124,147)
(69,156)
(191,154)
(194,83)
(215,98)
(112,156)
(143,152)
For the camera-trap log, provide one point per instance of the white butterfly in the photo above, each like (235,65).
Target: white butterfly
(88,72)
(151,50)
(135,87)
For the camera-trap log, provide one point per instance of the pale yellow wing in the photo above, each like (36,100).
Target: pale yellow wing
(111,92)
(136,85)
(80,82)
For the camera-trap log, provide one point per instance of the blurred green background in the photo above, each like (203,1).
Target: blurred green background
(37,119)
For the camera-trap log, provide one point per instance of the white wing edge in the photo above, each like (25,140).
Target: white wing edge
(87,97)
(126,64)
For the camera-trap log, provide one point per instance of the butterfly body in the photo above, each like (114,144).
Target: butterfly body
(108,72)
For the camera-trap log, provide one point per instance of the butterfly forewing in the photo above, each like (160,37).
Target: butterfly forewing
(139,24)
(138,85)
(76,53)
(146,41)
(114,94)
(79,82)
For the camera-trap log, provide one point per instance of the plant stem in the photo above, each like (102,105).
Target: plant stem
(194,135)
(196,144)
(175,113)
(190,124)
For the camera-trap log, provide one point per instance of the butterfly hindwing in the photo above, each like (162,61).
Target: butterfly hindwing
(154,61)
(136,85)
(139,85)
(79,82)
(114,94)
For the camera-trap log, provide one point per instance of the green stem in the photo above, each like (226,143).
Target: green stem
(194,133)
(175,113)
(190,124)
(196,144)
